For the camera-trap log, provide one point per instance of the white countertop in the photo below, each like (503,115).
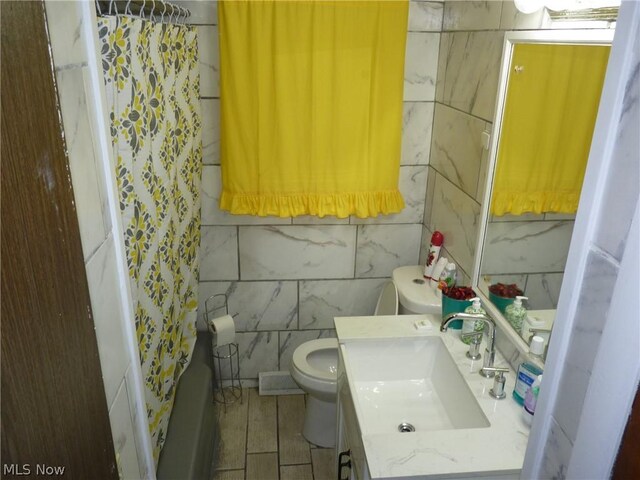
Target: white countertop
(495,450)
(547,316)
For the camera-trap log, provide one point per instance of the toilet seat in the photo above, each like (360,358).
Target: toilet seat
(321,382)
(388,300)
(317,375)
(301,359)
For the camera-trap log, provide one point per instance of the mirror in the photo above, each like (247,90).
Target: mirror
(549,92)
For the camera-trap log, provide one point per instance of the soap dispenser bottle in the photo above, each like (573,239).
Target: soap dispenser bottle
(516,313)
(527,372)
(471,326)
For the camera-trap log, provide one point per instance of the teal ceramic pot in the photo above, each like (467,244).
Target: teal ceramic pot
(450,305)
(501,302)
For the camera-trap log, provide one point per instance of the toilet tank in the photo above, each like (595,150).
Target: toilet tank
(414,292)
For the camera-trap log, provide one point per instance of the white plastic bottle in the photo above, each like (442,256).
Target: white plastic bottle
(530,400)
(448,276)
(470,326)
(434,251)
(437,271)
(536,347)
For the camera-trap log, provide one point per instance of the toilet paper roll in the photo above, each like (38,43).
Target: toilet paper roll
(225,330)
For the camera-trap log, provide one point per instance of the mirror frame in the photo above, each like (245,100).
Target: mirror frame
(581,36)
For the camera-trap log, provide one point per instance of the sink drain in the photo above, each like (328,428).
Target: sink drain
(419,281)
(405,427)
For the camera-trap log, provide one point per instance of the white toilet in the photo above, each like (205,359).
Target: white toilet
(414,294)
(315,369)
(315,363)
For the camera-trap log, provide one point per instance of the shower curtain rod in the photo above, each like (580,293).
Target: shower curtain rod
(154,10)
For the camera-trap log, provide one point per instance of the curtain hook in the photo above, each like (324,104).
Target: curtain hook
(98,7)
(153,7)
(164,9)
(127,8)
(115,6)
(171,14)
(141,12)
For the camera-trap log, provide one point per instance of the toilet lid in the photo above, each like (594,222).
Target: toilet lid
(301,361)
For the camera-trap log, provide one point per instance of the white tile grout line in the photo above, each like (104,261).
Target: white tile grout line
(278,433)
(246,436)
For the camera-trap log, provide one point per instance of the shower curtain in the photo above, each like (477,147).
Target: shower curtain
(152,84)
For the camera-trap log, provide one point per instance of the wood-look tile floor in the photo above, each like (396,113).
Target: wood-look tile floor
(261,439)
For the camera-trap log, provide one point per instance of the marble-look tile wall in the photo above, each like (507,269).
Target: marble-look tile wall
(531,251)
(466,87)
(286,278)
(471,46)
(621,195)
(65,20)
(468,65)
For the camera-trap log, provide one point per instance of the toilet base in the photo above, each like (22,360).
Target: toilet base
(320,422)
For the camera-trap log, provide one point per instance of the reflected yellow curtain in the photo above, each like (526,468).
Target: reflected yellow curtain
(550,112)
(311,106)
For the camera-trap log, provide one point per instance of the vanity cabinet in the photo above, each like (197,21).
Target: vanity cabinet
(461,432)
(349,442)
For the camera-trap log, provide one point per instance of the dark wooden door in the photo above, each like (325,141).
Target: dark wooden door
(627,466)
(54,411)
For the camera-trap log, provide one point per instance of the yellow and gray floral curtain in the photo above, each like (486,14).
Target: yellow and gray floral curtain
(151,75)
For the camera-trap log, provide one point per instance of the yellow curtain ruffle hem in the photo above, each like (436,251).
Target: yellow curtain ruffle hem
(311,106)
(362,204)
(517,203)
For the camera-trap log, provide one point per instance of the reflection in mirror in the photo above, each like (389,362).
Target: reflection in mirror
(548,117)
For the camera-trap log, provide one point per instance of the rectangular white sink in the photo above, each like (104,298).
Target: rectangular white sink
(409,380)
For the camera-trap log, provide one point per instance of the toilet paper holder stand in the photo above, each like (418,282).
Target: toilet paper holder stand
(225,357)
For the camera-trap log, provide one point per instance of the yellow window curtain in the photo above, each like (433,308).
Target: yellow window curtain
(311,106)
(550,112)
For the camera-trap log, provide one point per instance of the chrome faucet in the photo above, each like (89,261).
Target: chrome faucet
(490,351)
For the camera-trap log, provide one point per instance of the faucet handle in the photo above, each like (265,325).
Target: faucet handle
(474,345)
(499,370)
(498,382)
(536,331)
